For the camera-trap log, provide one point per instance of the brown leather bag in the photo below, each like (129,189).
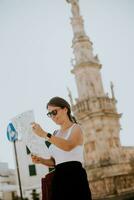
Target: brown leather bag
(46,184)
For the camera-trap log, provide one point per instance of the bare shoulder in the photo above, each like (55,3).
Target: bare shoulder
(76,134)
(77,128)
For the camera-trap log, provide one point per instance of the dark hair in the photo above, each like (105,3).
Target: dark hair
(62,103)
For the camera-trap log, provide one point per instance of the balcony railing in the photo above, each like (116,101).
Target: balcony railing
(95,105)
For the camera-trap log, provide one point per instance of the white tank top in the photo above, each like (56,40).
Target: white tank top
(60,156)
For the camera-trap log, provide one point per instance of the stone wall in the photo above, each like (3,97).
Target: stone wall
(112,181)
(112,186)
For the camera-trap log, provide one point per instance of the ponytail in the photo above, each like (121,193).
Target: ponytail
(72,118)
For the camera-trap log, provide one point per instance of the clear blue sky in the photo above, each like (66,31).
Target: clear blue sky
(35,54)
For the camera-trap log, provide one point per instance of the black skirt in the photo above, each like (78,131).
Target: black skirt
(70,182)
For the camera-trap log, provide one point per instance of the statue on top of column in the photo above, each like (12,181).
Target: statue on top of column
(75,7)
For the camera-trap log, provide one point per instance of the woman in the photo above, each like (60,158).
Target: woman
(66,149)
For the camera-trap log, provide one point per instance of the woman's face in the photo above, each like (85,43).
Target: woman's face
(57,114)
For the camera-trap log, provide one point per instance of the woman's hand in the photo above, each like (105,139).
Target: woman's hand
(38,130)
(37,159)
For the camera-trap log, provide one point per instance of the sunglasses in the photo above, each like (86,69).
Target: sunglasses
(53,113)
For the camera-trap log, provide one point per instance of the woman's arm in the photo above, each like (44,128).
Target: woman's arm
(39,160)
(75,139)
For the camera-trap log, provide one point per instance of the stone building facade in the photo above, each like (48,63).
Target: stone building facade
(109,165)
(8,187)
(30,173)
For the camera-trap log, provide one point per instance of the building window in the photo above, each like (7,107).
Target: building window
(27,150)
(32,170)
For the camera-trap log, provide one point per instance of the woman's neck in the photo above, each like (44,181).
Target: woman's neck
(67,124)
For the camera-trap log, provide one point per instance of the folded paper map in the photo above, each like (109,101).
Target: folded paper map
(22,124)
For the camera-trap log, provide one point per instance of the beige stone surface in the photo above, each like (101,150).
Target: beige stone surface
(109,165)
